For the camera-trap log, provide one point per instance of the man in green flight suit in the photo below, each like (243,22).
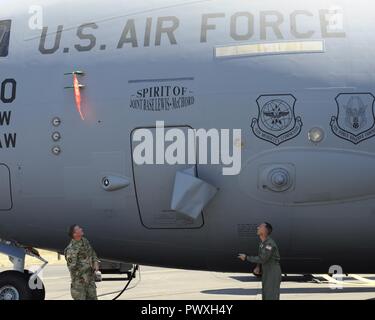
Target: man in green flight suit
(269,259)
(82,263)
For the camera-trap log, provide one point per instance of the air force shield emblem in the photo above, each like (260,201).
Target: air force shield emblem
(355,119)
(276,122)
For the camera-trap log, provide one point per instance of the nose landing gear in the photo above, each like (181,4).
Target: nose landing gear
(20,284)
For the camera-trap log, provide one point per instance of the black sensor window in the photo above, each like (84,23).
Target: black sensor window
(4,37)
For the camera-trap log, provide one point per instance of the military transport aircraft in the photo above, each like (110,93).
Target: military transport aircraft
(84,84)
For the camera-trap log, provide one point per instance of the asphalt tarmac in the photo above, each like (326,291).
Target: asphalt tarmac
(173,284)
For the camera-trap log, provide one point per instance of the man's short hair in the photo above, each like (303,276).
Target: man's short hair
(71,230)
(268,227)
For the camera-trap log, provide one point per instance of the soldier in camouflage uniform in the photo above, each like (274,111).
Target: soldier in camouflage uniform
(268,258)
(82,264)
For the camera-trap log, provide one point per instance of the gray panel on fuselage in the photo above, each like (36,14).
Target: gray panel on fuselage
(5,188)
(157,181)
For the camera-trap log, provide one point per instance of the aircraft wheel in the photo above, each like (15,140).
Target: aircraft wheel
(14,285)
(37,294)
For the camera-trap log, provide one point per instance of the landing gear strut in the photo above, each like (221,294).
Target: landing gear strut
(20,284)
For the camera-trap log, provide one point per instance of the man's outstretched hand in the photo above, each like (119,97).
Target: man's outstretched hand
(242,256)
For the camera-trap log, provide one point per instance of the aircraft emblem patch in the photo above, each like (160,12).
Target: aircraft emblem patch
(276,122)
(355,119)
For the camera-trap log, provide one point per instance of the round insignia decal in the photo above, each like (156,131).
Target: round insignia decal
(276,121)
(276,115)
(355,118)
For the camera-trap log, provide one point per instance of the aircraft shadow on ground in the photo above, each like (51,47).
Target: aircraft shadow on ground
(297,278)
(249,292)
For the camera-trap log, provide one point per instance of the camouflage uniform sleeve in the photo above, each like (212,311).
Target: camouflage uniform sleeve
(71,257)
(94,257)
(264,255)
